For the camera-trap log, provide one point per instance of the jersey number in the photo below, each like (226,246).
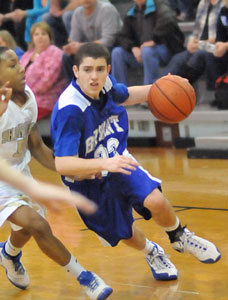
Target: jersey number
(102,152)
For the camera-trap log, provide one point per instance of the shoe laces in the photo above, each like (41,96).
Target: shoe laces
(156,253)
(18,267)
(93,284)
(189,240)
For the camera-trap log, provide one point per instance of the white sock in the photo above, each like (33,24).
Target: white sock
(74,267)
(171,228)
(148,248)
(11,249)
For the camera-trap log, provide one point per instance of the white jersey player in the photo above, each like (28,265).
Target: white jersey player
(19,140)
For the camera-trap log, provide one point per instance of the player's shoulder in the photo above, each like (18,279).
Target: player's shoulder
(30,94)
(72,96)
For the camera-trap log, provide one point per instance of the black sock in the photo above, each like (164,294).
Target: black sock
(175,234)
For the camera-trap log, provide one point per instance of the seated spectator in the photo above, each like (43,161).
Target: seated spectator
(16,29)
(31,16)
(93,21)
(184,9)
(59,19)
(6,7)
(221,50)
(43,68)
(149,37)
(7,40)
(197,59)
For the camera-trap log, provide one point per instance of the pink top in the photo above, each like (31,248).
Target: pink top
(44,76)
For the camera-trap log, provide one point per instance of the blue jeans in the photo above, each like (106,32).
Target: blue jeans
(184,6)
(152,58)
(193,65)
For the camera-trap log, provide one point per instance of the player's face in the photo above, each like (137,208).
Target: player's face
(12,71)
(40,39)
(91,75)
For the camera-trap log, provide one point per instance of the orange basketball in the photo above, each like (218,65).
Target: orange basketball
(171,99)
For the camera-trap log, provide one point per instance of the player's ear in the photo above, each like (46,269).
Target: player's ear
(109,68)
(75,71)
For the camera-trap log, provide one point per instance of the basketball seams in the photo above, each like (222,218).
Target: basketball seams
(170,100)
(158,114)
(186,92)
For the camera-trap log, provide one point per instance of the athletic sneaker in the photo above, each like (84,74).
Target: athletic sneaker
(94,286)
(161,267)
(15,271)
(202,249)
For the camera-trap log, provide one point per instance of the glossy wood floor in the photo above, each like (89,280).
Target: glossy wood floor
(197,188)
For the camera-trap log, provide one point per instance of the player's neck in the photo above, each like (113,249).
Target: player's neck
(19,98)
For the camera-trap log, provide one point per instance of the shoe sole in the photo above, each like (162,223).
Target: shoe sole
(105,293)
(17,285)
(164,276)
(210,260)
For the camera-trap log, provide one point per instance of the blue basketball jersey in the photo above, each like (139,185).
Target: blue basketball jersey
(90,128)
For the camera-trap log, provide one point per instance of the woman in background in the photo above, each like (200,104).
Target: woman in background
(43,68)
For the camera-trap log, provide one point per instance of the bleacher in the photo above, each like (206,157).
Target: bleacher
(204,132)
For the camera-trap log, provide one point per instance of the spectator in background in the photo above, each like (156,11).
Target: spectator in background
(31,16)
(6,7)
(183,8)
(59,19)
(6,22)
(43,68)
(7,40)
(221,50)
(93,21)
(149,37)
(197,58)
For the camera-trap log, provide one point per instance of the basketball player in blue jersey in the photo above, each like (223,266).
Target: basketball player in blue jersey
(89,130)
(19,139)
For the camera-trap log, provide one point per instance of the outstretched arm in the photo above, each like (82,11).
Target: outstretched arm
(91,168)
(51,195)
(137,94)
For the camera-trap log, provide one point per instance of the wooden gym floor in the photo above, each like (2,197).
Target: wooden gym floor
(197,189)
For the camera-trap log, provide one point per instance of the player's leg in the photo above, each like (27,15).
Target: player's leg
(181,238)
(38,227)
(162,268)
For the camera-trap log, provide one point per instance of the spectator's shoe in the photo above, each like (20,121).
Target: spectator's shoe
(15,271)
(94,286)
(202,249)
(160,265)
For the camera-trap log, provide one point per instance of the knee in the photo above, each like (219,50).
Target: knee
(117,53)
(156,202)
(38,226)
(147,53)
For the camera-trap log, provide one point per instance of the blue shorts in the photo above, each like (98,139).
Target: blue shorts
(115,196)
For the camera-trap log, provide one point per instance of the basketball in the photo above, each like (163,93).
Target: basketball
(171,99)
